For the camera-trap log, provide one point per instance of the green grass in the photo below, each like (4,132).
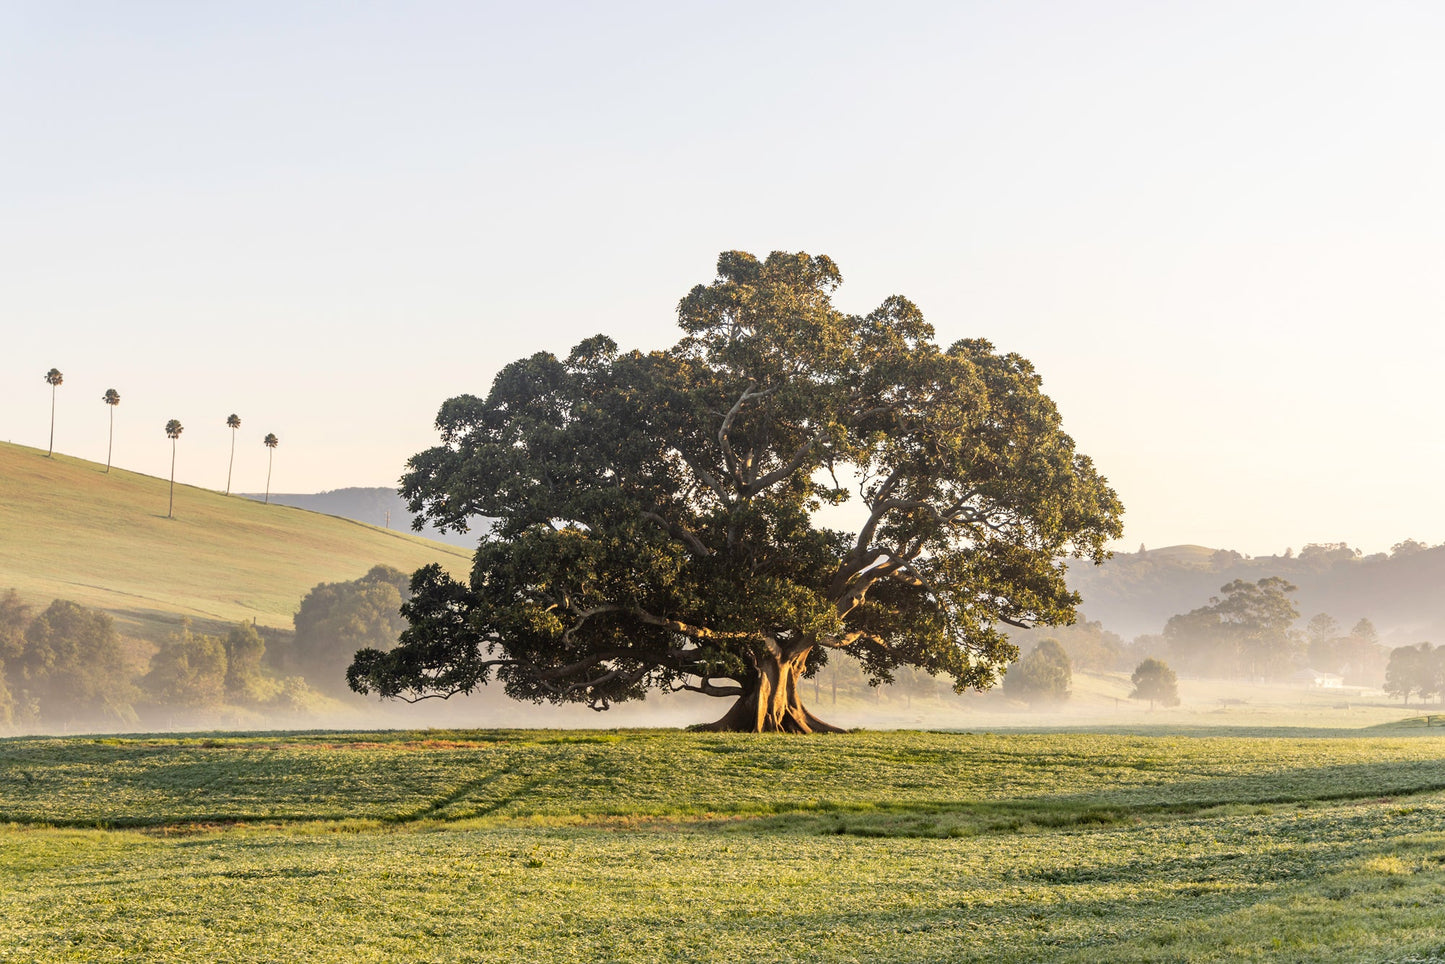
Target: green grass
(656,845)
(69,530)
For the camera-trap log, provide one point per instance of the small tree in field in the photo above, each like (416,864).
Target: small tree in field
(54,379)
(270,441)
(111,399)
(1154,681)
(233,422)
(659,515)
(173,432)
(1043,676)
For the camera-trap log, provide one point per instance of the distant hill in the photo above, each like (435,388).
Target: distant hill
(69,530)
(378,506)
(1402,593)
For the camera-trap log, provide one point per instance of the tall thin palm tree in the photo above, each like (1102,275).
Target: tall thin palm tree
(173,432)
(112,399)
(233,422)
(53,378)
(271,441)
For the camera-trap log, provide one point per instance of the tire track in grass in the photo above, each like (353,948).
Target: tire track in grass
(435,809)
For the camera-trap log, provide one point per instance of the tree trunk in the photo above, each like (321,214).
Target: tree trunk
(774,702)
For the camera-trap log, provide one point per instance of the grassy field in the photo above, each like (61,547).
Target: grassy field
(68,530)
(660,845)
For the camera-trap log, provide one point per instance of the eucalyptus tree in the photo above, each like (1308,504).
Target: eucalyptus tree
(54,379)
(173,432)
(111,399)
(665,520)
(270,441)
(233,422)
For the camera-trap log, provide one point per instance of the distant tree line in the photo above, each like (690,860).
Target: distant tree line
(1418,670)
(67,665)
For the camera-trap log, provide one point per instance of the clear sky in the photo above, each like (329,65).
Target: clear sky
(1218,229)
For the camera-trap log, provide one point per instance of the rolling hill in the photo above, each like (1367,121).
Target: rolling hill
(1401,593)
(69,530)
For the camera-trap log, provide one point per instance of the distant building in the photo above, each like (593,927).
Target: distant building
(1317,679)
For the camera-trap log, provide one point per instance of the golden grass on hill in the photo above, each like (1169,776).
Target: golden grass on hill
(69,530)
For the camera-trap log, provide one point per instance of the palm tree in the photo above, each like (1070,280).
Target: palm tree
(270,441)
(233,422)
(53,378)
(111,398)
(173,432)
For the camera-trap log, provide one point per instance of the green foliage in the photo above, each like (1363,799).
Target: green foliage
(14,617)
(188,670)
(1154,681)
(70,668)
(244,651)
(658,513)
(337,619)
(1245,633)
(1416,669)
(1043,676)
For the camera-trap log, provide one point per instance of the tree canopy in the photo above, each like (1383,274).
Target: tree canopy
(336,619)
(1246,632)
(667,519)
(1415,669)
(69,667)
(1154,681)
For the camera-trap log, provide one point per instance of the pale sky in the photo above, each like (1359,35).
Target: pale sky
(1218,229)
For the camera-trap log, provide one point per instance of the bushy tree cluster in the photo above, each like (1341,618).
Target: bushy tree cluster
(1357,655)
(62,666)
(1245,633)
(1418,669)
(197,672)
(66,666)
(1045,675)
(336,619)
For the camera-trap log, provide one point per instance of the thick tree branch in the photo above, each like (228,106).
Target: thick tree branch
(694,544)
(800,456)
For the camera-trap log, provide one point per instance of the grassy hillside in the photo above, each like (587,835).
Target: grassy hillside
(69,530)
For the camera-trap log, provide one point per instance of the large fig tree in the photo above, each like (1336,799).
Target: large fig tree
(785,483)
